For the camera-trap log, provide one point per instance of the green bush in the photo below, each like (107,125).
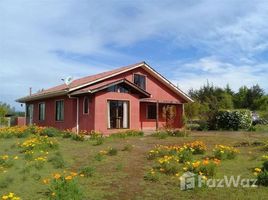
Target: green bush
(233,119)
(262,178)
(50,132)
(78,137)
(95,134)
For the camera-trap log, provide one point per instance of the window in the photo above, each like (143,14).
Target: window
(151,112)
(59,110)
(86,105)
(118,114)
(139,80)
(41,109)
(118,88)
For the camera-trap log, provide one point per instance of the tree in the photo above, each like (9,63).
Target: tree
(226,101)
(192,110)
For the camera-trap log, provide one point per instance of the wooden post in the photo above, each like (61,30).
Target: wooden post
(157,114)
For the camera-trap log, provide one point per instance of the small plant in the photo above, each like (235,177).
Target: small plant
(64,187)
(99,157)
(112,152)
(87,171)
(78,137)
(160,134)
(127,147)
(10,196)
(119,167)
(95,134)
(224,152)
(197,147)
(152,176)
(98,141)
(50,132)
(6,161)
(168,165)
(206,167)
(127,133)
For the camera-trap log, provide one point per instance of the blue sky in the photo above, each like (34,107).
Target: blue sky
(187,41)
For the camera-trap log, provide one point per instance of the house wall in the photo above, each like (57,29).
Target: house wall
(101,121)
(86,121)
(158,91)
(50,110)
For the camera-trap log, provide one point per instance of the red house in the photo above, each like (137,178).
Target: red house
(131,97)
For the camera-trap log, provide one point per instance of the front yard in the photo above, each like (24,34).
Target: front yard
(115,169)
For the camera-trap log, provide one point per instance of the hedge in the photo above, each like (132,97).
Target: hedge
(233,119)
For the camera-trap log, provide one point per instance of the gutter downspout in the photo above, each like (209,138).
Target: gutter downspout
(77,113)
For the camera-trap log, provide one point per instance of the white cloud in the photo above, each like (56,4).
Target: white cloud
(197,73)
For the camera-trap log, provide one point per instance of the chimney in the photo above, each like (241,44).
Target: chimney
(30,91)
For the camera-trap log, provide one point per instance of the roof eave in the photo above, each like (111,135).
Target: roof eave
(41,96)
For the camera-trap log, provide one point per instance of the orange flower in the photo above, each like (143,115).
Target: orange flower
(68,178)
(57,176)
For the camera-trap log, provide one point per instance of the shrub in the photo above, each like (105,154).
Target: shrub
(95,134)
(185,155)
(262,178)
(206,167)
(233,120)
(168,165)
(112,152)
(67,133)
(15,131)
(50,132)
(42,143)
(87,171)
(64,187)
(78,137)
(197,147)
(224,152)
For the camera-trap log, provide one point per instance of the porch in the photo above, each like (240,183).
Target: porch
(155,114)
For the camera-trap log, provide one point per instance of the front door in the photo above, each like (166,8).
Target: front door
(118,114)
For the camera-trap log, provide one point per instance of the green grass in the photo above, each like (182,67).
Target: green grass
(121,176)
